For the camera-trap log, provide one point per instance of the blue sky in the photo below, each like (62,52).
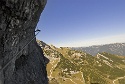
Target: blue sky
(82,22)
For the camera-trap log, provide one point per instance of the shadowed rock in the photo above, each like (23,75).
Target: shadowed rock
(18,20)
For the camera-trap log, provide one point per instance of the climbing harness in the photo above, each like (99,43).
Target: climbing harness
(20,50)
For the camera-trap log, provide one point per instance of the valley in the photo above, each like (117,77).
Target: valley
(77,67)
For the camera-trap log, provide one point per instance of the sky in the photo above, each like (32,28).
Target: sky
(77,23)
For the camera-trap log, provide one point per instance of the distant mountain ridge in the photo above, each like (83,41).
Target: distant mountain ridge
(115,48)
(68,66)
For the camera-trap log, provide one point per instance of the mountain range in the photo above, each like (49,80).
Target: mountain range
(78,67)
(115,48)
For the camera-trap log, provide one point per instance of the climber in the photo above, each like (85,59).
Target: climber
(37,30)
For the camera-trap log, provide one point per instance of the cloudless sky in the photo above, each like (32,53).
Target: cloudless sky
(82,22)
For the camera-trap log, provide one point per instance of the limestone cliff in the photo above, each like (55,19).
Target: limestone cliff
(18,20)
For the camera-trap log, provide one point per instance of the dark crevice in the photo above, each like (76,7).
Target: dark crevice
(21,61)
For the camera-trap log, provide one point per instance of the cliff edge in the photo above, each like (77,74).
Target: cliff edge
(18,20)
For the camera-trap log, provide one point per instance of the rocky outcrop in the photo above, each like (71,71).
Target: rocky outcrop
(18,20)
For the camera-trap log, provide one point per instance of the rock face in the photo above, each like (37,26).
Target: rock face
(18,20)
